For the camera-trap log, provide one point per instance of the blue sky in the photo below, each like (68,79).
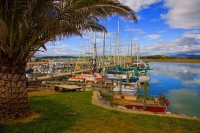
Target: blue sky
(166,27)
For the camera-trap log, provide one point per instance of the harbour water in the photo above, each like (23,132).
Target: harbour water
(180,83)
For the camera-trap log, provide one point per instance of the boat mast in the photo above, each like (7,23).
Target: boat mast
(135,51)
(137,48)
(94,52)
(115,53)
(131,49)
(118,41)
(104,43)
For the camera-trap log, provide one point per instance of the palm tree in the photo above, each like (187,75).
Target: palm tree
(25,27)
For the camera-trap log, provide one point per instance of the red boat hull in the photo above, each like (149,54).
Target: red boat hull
(157,109)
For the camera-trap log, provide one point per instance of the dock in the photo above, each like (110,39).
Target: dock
(37,80)
(49,76)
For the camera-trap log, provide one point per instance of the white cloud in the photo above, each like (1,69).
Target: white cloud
(182,13)
(192,33)
(153,36)
(99,36)
(138,5)
(186,45)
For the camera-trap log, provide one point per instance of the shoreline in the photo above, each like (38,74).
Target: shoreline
(99,101)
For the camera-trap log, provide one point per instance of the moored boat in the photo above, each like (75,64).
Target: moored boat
(130,89)
(76,78)
(87,77)
(142,75)
(152,104)
(144,78)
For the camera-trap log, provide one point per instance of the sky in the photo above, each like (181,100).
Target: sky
(164,27)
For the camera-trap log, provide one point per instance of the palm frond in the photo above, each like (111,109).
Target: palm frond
(27,25)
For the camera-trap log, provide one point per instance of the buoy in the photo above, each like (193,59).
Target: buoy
(167,102)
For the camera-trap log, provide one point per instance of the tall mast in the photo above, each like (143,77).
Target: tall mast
(137,48)
(135,51)
(104,43)
(95,50)
(131,47)
(118,41)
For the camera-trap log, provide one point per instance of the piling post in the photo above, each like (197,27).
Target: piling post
(120,87)
(145,96)
(127,77)
(112,84)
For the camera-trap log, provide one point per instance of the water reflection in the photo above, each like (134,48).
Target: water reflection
(180,82)
(182,71)
(185,101)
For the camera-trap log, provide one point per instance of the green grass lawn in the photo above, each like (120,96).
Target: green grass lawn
(73,112)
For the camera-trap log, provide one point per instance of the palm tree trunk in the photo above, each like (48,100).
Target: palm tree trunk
(13,93)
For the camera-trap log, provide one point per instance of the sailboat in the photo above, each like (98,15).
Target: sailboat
(93,76)
(130,83)
(141,68)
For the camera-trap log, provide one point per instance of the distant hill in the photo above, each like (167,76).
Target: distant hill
(184,56)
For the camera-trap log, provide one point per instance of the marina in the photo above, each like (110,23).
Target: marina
(71,66)
(180,78)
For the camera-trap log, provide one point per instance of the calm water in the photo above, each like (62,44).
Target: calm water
(180,83)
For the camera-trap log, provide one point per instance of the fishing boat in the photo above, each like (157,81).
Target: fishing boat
(137,102)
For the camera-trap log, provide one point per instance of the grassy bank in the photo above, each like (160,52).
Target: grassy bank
(73,112)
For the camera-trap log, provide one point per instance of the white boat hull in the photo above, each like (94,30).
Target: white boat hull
(144,79)
(130,91)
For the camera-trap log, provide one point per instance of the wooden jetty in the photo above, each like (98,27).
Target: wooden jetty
(38,80)
(49,76)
